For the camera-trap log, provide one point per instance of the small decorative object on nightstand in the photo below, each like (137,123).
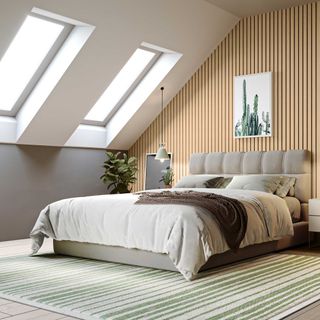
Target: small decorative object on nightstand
(314,216)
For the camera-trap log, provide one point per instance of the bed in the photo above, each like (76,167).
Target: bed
(149,245)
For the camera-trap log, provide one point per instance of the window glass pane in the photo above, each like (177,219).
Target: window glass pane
(25,54)
(120,85)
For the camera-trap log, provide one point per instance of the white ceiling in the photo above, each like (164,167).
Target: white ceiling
(243,8)
(191,27)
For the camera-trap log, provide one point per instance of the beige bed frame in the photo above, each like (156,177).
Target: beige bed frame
(292,163)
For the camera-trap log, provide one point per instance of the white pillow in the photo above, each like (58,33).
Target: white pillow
(255,182)
(194,181)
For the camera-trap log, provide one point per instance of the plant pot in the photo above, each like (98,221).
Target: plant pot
(167,186)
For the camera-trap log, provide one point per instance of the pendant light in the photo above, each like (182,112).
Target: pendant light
(162,153)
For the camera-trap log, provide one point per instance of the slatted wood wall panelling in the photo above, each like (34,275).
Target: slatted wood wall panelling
(200,117)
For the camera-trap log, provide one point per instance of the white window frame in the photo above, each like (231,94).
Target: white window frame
(129,91)
(67,28)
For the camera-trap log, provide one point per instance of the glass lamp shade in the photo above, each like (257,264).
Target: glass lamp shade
(162,153)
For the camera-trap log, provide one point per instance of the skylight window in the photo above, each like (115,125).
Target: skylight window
(22,60)
(122,85)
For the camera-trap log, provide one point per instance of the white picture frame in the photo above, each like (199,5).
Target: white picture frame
(254,91)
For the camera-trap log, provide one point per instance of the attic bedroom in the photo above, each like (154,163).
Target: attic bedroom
(159,159)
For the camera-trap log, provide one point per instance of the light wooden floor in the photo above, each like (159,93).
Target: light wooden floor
(17,311)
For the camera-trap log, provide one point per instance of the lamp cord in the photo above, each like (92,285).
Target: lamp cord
(161,119)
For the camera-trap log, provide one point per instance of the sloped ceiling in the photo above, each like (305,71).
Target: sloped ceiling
(191,27)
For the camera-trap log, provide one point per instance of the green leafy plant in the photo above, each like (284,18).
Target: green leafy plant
(119,172)
(167,177)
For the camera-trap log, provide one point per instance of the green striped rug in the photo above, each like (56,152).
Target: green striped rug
(265,288)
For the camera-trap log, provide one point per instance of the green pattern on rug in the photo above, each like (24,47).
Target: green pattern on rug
(264,288)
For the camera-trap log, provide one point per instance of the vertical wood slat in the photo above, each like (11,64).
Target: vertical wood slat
(317,99)
(200,117)
(315,71)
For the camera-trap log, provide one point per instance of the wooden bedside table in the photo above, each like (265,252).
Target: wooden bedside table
(314,216)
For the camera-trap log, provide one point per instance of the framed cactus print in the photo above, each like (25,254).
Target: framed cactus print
(252,108)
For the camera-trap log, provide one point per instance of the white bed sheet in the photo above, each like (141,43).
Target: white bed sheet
(187,234)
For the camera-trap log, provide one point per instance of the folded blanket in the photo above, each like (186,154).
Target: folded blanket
(229,214)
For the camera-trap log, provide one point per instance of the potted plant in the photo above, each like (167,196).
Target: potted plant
(167,177)
(119,172)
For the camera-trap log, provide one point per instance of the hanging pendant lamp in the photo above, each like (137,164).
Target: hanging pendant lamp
(162,153)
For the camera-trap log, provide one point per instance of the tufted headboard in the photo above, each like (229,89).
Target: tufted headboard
(295,163)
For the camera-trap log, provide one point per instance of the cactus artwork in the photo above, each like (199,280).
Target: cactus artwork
(254,120)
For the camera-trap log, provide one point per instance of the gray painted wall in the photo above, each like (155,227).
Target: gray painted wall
(31,177)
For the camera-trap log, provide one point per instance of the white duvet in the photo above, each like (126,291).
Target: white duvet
(187,234)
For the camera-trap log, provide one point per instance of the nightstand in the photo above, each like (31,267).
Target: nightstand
(314,216)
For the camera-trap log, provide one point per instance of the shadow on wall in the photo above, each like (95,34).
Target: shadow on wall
(33,176)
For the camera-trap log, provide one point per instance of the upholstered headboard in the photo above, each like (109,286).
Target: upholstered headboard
(295,163)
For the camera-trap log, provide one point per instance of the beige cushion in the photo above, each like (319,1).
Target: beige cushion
(213,162)
(272,162)
(232,163)
(302,187)
(255,182)
(252,162)
(196,166)
(297,161)
(285,186)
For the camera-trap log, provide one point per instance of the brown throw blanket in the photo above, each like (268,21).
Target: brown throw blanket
(230,214)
